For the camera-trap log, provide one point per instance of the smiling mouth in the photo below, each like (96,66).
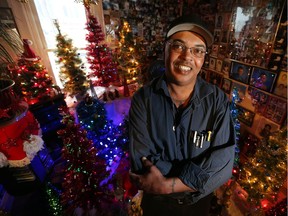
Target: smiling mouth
(183,67)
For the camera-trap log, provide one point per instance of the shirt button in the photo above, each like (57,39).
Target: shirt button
(173,128)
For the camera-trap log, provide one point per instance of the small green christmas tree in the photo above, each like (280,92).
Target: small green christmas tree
(72,76)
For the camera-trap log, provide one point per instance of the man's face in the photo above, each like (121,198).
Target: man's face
(240,71)
(263,78)
(182,67)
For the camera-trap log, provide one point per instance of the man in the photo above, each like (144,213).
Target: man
(260,81)
(181,131)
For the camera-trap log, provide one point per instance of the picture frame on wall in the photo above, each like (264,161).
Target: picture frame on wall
(219,21)
(226,67)
(215,78)
(226,85)
(262,79)
(240,72)
(241,90)
(245,116)
(266,128)
(281,85)
(219,65)
(248,144)
(276,110)
(212,63)
(222,51)
(259,99)
(214,50)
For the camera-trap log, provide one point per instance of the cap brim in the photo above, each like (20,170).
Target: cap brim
(207,36)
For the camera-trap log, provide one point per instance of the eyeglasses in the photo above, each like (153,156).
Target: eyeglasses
(180,47)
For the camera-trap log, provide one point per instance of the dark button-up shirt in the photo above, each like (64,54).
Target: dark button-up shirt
(159,133)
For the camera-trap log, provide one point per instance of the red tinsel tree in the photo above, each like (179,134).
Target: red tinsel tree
(99,55)
(82,188)
(32,77)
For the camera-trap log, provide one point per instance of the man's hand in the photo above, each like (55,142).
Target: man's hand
(152,181)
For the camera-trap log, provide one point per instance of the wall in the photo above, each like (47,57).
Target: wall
(252,37)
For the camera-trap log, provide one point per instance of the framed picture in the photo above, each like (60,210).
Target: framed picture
(215,78)
(265,128)
(219,65)
(226,67)
(262,79)
(259,99)
(281,85)
(212,63)
(248,144)
(219,21)
(222,52)
(214,50)
(245,116)
(276,110)
(217,35)
(226,85)
(240,72)
(241,90)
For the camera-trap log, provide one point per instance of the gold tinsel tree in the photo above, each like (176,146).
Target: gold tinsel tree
(128,56)
(264,174)
(71,74)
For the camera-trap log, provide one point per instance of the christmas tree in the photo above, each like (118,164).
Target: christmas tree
(129,56)
(99,55)
(53,196)
(72,76)
(82,188)
(32,77)
(92,115)
(111,142)
(106,137)
(234,114)
(263,174)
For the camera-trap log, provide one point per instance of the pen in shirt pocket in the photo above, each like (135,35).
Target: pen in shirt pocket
(200,137)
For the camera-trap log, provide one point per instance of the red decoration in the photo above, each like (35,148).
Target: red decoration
(14,134)
(28,53)
(32,81)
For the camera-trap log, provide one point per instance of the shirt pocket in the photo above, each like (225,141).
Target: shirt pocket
(198,143)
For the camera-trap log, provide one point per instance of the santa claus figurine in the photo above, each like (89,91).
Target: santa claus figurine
(28,53)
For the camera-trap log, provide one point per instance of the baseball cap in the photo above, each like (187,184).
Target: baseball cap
(191,23)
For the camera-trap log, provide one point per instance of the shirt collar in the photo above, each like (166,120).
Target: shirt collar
(201,90)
